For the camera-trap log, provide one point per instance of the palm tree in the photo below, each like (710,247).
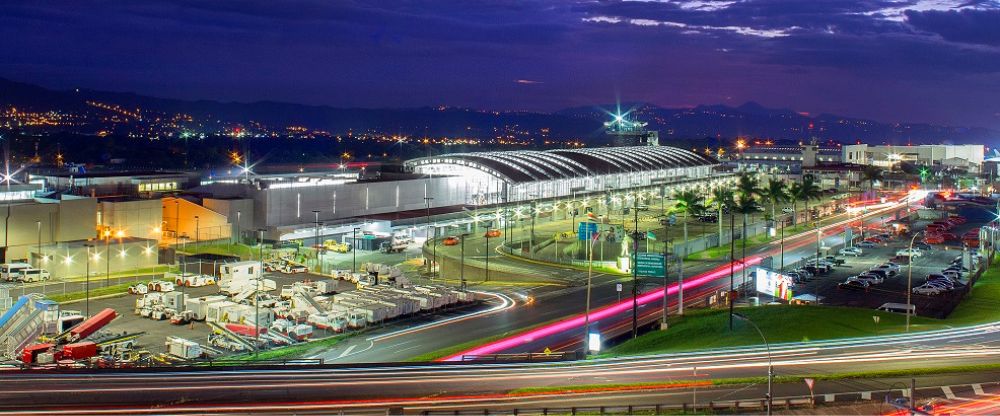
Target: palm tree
(748,189)
(745,205)
(722,197)
(871,174)
(775,192)
(804,191)
(688,202)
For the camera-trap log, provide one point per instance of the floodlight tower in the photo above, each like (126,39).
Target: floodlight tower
(627,131)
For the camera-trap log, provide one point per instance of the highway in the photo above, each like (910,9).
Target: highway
(357,386)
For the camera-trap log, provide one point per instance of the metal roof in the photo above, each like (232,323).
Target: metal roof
(533,165)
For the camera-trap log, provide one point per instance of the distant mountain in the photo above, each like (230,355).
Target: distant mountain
(716,121)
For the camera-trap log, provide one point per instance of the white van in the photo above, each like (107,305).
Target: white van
(33,275)
(12,271)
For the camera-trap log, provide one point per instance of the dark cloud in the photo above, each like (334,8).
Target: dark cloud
(801,54)
(980,27)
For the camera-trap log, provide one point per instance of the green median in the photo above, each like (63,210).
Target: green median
(119,289)
(853,375)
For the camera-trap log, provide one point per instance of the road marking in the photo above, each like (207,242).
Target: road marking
(347,351)
(948,393)
(978,389)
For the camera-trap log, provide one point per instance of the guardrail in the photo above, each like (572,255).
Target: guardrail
(536,356)
(738,406)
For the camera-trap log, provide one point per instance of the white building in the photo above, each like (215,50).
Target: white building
(966,156)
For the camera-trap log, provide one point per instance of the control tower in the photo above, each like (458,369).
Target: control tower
(626,131)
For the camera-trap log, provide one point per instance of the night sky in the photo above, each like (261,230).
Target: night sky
(919,60)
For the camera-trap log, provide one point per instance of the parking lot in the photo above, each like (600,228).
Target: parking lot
(893,288)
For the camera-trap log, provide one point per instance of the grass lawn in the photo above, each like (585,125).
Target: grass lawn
(700,329)
(95,292)
(982,304)
(242,250)
(703,329)
(289,352)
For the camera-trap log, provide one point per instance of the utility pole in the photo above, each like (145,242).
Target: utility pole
(317,245)
(427,232)
(732,265)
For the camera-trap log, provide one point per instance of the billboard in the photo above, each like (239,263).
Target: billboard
(774,284)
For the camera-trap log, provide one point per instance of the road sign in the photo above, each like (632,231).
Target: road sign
(875,318)
(810,383)
(649,264)
(585,230)
(547,351)
(594,342)
(618,287)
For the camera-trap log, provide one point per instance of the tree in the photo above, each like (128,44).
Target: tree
(748,189)
(688,202)
(871,174)
(722,198)
(745,205)
(804,191)
(775,192)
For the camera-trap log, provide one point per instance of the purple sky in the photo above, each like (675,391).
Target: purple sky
(918,60)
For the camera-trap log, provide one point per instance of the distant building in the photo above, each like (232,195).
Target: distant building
(116,184)
(787,158)
(966,156)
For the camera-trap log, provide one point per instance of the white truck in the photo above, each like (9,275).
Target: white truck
(191,279)
(239,276)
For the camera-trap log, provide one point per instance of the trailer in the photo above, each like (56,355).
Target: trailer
(92,325)
(199,306)
(183,348)
(79,351)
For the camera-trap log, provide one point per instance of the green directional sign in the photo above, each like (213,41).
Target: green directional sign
(649,264)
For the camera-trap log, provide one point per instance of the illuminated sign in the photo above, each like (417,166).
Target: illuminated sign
(773,284)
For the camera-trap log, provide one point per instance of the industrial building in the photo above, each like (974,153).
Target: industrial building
(968,157)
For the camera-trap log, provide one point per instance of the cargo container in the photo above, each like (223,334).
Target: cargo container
(30,353)
(219,311)
(245,330)
(79,350)
(199,306)
(183,348)
(92,325)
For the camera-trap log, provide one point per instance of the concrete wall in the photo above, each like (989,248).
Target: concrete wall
(70,219)
(179,216)
(70,259)
(138,218)
(240,213)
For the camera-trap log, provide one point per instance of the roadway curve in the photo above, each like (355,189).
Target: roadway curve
(460,384)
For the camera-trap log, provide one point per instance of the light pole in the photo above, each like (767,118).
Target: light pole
(197,228)
(354,249)
(590,274)
(770,367)
(317,246)
(427,233)
(40,257)
(909,280)
(256,295)
(87,278)
(238,215)
(461,272)
(107,262)
(488,253)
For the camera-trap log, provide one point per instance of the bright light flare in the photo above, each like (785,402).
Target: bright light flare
(598,314)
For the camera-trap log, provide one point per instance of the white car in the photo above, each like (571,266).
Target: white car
(909,252)
(927,290)
(850,251)
(872,280)
(787,210)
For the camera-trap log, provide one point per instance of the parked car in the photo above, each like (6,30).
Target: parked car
(835,261)
(909,252)
(870,278)
(889,272)
(932,239)
(927,290)
(854,284)
(922,245)
(866,244)
(850,251)
(883,273)
(891,265)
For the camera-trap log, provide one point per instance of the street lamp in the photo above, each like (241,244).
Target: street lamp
(87,277)
(461,273)
(909,280)
(590,274)
(770,367)
(354,249)
(427,233)
(40,256)
(319,260)
(197,228)
(256,294)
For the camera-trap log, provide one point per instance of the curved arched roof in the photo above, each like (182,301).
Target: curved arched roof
(533,165)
